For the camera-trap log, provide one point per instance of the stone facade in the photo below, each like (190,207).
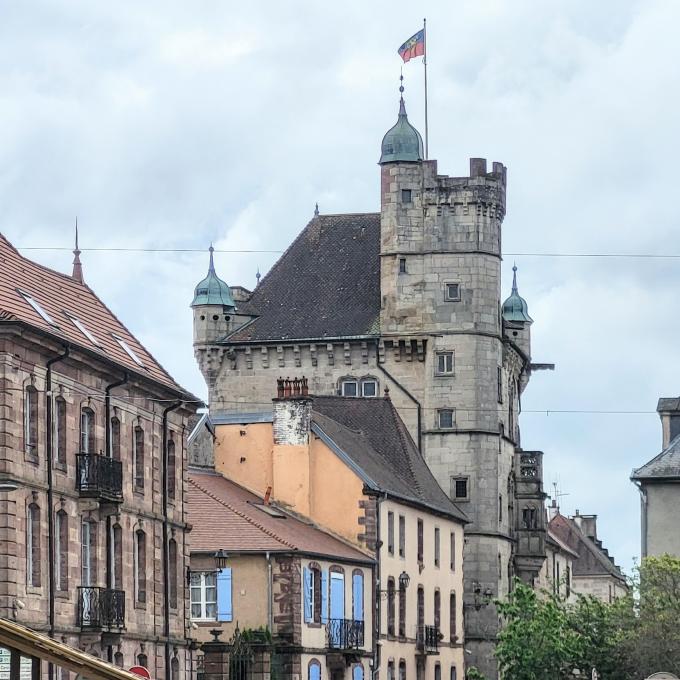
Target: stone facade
(45,521)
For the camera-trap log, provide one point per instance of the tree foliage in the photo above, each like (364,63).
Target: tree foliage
(543,636)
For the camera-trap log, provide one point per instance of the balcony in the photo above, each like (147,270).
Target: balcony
(99,476)
(345,634)
(427,639)
(100,608)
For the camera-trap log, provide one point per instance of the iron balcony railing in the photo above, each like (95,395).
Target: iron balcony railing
(345,634)
(99,476)
(427,639)
(101,607)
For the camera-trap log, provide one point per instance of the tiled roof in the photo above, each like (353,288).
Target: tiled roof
(371,433)
(556,542)
(664,466)
(225,515)
(60,295)
(327,284)
(592,559)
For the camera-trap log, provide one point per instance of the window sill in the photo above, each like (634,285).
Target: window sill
(204,623)
(34,590)
(60,467)
(140,605)
(62,594)
(444,375)
(313,624)
(138,490)
(31,458)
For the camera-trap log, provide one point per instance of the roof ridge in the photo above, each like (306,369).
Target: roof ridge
(269,533)
(663,452)
(398,422)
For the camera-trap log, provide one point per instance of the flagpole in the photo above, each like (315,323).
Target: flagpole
(425,67)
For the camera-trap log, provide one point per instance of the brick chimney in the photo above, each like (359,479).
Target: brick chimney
(669,412)
(291,459)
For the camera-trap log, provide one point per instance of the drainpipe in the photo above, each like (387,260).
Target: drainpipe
(407,393)
(107,408)
(643,518)
(377,609)
(166,553)
(270,588)
(50,490)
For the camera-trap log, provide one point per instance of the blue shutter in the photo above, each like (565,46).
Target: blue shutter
(324,596)
(224,611)
(314,670)
(307,586)
(358,673)
(358,596)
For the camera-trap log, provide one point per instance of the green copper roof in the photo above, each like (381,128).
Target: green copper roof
(402,142)
(212,290)
(515,307)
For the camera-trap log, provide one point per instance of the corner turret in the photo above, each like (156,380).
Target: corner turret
(516,319)
(213,307)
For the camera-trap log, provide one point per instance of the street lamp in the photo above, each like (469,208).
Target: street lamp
(403,580)
(221,558)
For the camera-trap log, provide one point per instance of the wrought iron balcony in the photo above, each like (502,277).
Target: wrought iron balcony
(99,476)
(345,634)
(427,639)
(101,607)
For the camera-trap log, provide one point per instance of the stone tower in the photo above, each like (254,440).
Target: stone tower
(409,299)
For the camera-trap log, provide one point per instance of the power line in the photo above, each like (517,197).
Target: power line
(653,256)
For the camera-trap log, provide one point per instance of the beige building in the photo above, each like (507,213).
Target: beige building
(92,432)
(350,466)
(309,589)
(659,485)
(593,570)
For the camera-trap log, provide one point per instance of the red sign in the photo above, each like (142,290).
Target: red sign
(141,671)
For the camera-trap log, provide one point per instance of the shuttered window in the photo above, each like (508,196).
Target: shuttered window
(358,596)
(224,598)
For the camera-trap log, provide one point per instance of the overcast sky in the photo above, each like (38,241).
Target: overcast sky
(173,124)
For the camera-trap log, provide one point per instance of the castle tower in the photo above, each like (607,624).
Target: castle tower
(440,272)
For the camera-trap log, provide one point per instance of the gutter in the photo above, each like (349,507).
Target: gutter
(166,547)
(643,517)
(50,491)
(377,609)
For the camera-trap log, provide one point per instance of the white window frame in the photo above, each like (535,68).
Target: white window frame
(441,412)
(86,553)
(445,355)
(366,381)
(82,328)
(447,296)
(127,349)
(202,588)
(349,381)
(37,308)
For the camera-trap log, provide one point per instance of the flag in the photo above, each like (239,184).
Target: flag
(413,47)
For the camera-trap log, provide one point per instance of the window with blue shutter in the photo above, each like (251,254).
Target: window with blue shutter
(358,596)
(308,594)
(358,673)
(324,596)
(314,670)
(224,608)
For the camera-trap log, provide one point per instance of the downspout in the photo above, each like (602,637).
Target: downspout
(643,518)
(270,589)
(50,490)
(166,552)
(407,393)
(377,593)
(107,408)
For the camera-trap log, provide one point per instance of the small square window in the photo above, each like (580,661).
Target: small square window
(405,195)
(369,388)
(446,418)
(402,265)
(444,363)
(452,291)
(459,488)
(350,388)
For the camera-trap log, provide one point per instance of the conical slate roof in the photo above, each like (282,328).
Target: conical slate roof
(212,290)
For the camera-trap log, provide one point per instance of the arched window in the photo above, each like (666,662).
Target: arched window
(314,670)
(390,670)
(118,659)
(140,566)
(421,609)
(529,517)
(452,617)
(437,672)
(174,668)
(61,550)
(31,420)
(172,571)
(138,456)
(59,441)
(88,548)
(454,673)
(390,606)
(402,609)
(142,660)
(402,669)
(33,545)
(357,595)
(171,467)
(87,442)
(437,609)
(116,556)
(115,438)
(358,672)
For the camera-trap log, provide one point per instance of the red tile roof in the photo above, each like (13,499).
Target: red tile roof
(225,515)
(60,295)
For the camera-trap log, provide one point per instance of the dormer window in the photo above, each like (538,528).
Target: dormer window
(127,349)
(82,328)
(355,387)
(36,306)
(349,388)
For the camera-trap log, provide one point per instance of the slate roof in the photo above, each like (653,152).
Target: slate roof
(327,284)
(225,515)
(371,433)
(59,294)
(665,465)
(592,559)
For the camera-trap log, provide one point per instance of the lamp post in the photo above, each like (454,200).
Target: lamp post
(221,558)
(403,580)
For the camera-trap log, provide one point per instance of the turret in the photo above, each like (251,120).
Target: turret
(213,307)
(516,319)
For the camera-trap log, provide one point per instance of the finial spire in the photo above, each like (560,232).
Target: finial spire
(514,277)
(258,276)
(402,106)
(77,273)
(211,266)
(316,209)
